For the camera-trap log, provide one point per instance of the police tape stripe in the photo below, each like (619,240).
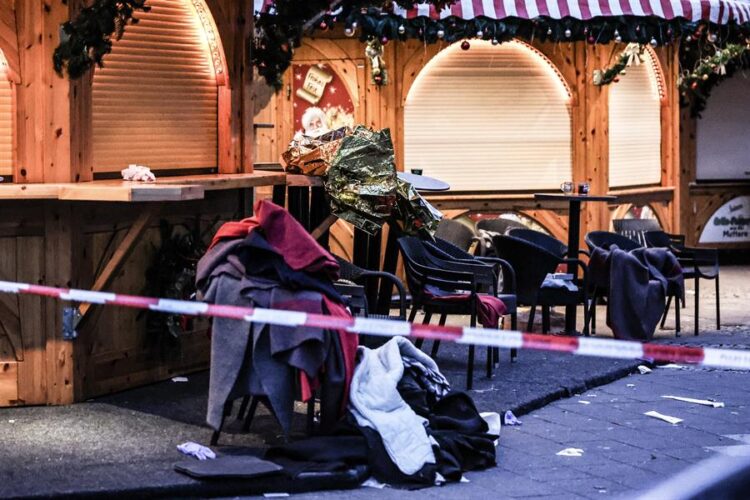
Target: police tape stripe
(584,346)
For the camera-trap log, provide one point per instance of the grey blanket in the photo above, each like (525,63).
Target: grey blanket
(637,284)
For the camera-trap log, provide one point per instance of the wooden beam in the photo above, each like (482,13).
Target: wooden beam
(123,251)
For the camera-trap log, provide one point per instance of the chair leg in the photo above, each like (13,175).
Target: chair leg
(470,367)
(697,302)
(226,412)
(666,311)
(413,314)
(254,400)
(530,323)
(425,321)
(514,327)
(592,313)
(718,299)
(436,343)
(677,326)
(545,319)
(311,416)
(243,407)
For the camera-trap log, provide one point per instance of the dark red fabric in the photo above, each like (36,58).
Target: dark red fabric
(349,343)
(287,236)
(490,309)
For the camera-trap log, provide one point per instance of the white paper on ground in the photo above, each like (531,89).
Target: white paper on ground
(179,379)
(704,402)
(672,366)
(464,480)
(630,385)
(570,452)
(196,450)
(510,419)
(661,416)
(275,495)
(371,482)
(584,402)
(643,369)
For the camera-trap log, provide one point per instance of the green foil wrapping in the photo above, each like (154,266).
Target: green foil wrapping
(364,190)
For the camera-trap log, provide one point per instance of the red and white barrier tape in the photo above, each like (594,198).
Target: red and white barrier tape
(584,346)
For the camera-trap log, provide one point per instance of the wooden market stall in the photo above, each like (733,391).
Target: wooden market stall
(500,122)
(173,95)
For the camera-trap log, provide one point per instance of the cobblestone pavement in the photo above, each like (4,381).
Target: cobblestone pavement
(624,451)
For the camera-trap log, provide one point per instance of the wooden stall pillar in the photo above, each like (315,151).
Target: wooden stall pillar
(592,163)
(54,113)
(62,261)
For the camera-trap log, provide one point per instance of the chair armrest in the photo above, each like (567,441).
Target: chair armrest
(585,272)
(396,282)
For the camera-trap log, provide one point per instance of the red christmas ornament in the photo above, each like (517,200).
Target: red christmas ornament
(384,40)
(465,45)
(591,39)
(323,25)
(694,85)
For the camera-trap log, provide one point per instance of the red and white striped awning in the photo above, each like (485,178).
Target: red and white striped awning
(715,11)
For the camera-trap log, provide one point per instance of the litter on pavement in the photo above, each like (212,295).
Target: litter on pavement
(179,379)
(704,402)
(643,369)
(196,450)
(570,452)
(510,419)
(661,416)
(584,402)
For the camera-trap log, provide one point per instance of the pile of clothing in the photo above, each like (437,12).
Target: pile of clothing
(388,412)
(270,261)
(637,284)
(405,423)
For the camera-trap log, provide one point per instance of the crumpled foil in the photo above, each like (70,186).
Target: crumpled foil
(364,190)
(310,155)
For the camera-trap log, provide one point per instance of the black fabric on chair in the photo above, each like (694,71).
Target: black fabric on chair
(424,271)
(696,263)
(604,240)
(503,270)
(532,263)
(456,233)
(635,229)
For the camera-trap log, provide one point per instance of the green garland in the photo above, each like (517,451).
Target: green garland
(87,39)
(606,76)
(695,85)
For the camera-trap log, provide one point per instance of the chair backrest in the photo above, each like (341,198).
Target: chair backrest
(449,248)
(456,233)
(605,239)
(660,239)
(635,229)
(530,262)
(545,241)
(500,226)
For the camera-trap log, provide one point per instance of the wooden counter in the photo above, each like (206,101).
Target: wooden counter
(181,188)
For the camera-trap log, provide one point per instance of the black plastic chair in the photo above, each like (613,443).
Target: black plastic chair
(456,233)
(499,225)
(696,263)
(352,280)
(532,264)
(426,272)
(605,240)
(504,272)
(635,229)
(545,241)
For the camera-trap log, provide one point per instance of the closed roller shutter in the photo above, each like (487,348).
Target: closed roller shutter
(6,127)
(494,117)
(635,126)
(155,101)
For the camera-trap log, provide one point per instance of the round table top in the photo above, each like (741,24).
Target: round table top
(423,182)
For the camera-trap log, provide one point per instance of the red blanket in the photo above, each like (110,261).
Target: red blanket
(287,236)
